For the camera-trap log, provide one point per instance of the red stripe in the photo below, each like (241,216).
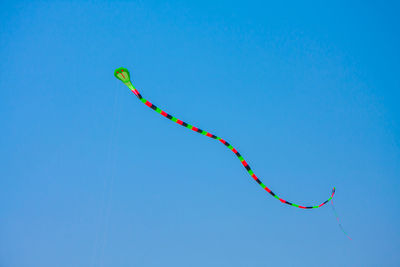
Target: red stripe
(282,200)
(222,141)
(179,121)
(164,113)
(301,207)
(148,103)
(194,128)
(254,176)
(244,163)
(267,189)
(208,134)
(234,150)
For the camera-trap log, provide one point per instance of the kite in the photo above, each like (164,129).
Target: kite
(123,75)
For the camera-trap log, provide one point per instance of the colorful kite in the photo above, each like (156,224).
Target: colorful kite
(123,75)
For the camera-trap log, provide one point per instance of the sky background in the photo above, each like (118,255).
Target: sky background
(307,92)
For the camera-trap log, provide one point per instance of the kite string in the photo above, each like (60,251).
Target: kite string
(340,225)
(110,167)
(113,168)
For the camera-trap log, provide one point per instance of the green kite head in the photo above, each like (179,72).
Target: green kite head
(123,75)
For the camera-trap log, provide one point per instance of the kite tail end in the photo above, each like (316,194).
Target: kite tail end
(333,193)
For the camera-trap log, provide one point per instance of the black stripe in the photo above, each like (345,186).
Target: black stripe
(272,193)
(238,154)
(308,207)
(258,181)
(153,107)
(184,124)
(169,116)
(287,202)
(199,130)
(139,96)
(325,201)
(226,143)
(248,167)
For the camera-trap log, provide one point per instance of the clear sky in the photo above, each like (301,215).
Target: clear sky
(307,92)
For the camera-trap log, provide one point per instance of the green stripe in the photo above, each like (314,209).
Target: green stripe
(189,126)
(240,158)
(174,119)
(295,205)
(263,185)
(203,132)
(315,207)
(143,100)
(158,110)
(230,147)
(250,172)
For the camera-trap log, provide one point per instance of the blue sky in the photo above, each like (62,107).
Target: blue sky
(307,92)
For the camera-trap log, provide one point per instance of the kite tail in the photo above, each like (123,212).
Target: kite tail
(123,75)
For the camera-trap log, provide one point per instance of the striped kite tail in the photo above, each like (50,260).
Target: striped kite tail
(123,75)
